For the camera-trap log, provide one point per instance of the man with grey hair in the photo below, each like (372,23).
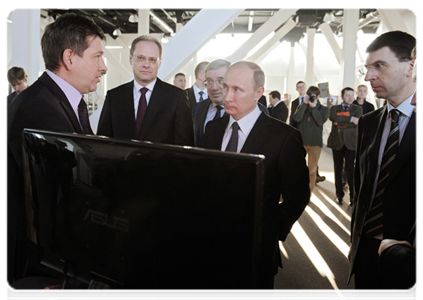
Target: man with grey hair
(212,107)
(147,109)
(198,91)
(248,130)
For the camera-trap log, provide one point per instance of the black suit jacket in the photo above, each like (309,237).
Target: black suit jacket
(294,105)
(191,96)
(367,107)
(279,112)
(343,132)
(199,114)
(167,119)
(43,106)
(399,205)
(286,173)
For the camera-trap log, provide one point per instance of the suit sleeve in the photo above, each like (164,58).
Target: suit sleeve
(284,115)
(299,113)
(357,172)
(184,128)
(105,122)
(294,183)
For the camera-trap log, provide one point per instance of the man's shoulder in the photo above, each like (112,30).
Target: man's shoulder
(121,87)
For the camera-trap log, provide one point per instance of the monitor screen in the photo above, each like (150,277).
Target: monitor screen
(135,214)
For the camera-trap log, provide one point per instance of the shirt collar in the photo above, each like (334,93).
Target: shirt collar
(405,107)
(277,103)
(149,86)
(197,90)
(247,122)
(71,93)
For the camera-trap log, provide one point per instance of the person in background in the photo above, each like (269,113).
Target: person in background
(361,99)
(17,78)
(277,107)
(180,81)
(198,91)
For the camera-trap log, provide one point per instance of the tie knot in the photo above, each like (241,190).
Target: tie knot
(82,104)
(218,107)
(144,90)
(235,126)
(394,115)
(201,93)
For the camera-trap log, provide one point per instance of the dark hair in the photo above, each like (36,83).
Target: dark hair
(401,43)
(346,89)
(16,74)
(69,31)
(275,94)
(200,68)
(416,51)
(179,74)
(313,90)
(299,83)
(146,38)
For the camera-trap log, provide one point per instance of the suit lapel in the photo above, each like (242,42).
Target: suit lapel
(66,108)
(203,112)
(218,132)
(157,97)
(258,134)
(125,111)
(374,146)
(406,149)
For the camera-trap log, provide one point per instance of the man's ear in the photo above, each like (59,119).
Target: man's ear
(68,56)
(410,68)
(259,92)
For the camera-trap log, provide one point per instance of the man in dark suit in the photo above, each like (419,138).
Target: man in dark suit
(343,140)
(54,102)
(277,108)
(211,108)
(385,171)
(18,80)
(248,130)
(198,91)
(301,88)
(147,108)
(361,99)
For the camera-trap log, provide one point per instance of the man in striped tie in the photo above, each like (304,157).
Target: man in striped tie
(385,170)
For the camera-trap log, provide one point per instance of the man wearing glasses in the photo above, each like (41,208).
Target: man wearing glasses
(147,108)
(385,172)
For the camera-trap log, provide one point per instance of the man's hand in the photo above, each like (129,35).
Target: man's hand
(307,100)
(386,243)
(355,120)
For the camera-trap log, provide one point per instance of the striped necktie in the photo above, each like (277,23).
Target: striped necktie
(142,107)
(374,222)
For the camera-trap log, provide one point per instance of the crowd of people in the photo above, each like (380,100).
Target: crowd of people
(221,111)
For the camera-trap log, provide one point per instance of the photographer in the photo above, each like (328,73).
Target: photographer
(310,116)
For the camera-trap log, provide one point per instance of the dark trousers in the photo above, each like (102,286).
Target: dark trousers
(338,163)
(366,267)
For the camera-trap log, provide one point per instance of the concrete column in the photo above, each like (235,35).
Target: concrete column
(271,44)
(273,23)
(26,48)
(182,47)
(290,83)
(349,47)
(393,20)
(310,57)
(143,21)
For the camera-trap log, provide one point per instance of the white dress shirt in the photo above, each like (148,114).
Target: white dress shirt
(137,94)
(246,124)
(197,93)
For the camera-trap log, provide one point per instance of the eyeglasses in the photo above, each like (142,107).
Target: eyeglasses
(141,58)
(210,82)
(381,66)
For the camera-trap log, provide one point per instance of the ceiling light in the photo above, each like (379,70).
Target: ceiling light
(133,18)
(117,32)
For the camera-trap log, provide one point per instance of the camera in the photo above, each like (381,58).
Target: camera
(312,98)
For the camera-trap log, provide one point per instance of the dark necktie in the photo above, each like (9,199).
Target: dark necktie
(142,107)
(218,109)
(233,141)
(201,96)
(345,107)
(83,117)
(374,222)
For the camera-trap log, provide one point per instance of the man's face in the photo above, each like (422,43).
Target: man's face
(348,97)
(89,67)
(416,77)
(214,84)
(145,71)
(362,92)
(272,100)
(301,88)
(387,75)
(20,85)
(180,81)
(239,94)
